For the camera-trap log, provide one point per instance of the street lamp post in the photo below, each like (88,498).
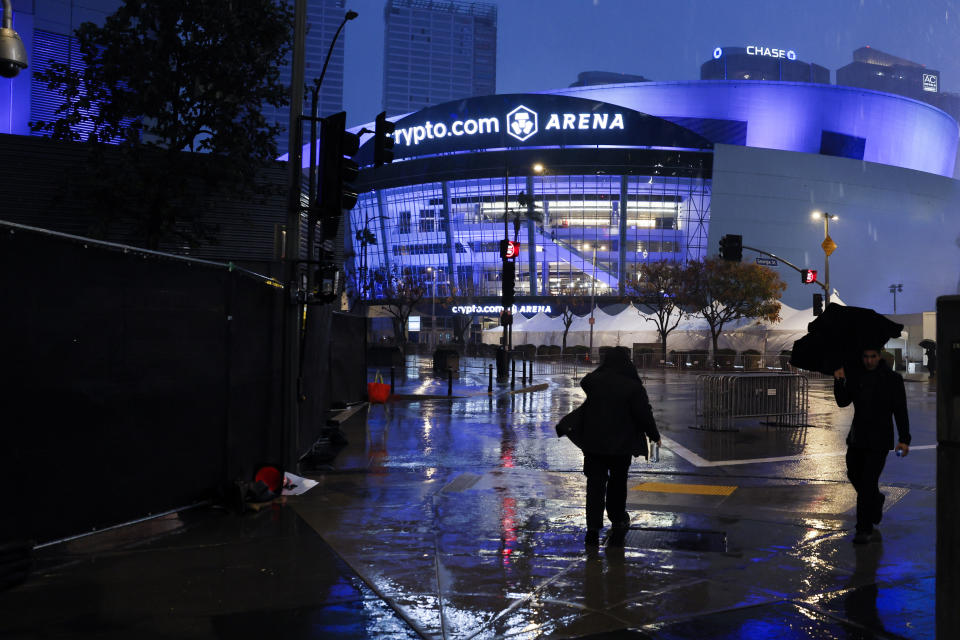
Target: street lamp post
(593,296)
(433,307)
(290,446)
(895,289)
(828,246)
(312,195)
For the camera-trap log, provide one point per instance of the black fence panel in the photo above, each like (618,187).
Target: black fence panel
(130,383)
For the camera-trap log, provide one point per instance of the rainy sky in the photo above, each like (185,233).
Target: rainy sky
(544,44)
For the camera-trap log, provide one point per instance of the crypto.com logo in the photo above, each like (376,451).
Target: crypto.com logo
(522,123)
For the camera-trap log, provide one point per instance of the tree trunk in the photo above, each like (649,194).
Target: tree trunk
(663,342)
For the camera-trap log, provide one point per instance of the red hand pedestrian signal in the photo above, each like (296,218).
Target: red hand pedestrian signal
(808,276)
(509,249)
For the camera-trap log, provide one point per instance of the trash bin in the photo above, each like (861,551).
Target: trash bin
(446,358)
(503,364)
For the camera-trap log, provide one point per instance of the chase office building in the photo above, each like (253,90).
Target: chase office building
(595,181)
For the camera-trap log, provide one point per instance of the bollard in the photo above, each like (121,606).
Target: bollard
(513,375)
(391,380)
(449,381)
(490,383)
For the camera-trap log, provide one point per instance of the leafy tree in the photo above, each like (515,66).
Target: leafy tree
(162,79)
(405,289)
(722,291)
(661,291)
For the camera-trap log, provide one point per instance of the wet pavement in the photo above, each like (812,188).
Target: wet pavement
(463,518)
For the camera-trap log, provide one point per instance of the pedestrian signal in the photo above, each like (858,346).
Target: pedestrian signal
(808,276)
(731,247)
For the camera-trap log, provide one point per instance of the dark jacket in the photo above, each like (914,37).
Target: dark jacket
(878,397)
(617,413)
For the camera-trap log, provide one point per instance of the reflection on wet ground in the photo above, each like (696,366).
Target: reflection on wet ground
(463,518)
(467,516)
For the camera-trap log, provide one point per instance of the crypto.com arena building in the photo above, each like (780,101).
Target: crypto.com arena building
(624,174)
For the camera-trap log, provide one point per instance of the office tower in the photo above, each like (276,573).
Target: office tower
(437,50)
(874,69)
(761,63)
(323,19)
(880,71)
(593,78)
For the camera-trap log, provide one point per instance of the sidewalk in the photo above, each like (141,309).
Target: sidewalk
(464,519)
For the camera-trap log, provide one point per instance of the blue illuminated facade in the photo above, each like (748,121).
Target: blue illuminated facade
(658,171)
(609,188)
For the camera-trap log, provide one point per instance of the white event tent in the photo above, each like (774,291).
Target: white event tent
(633,326)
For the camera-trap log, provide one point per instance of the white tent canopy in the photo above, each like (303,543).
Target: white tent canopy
(632,326)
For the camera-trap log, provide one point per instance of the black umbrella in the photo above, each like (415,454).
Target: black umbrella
(838,337)
(928,344)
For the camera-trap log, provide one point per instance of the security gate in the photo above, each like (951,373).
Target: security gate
(781,398)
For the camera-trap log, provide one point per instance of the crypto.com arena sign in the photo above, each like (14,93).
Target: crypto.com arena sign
(534,120)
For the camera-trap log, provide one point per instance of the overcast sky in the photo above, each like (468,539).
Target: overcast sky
(544,44)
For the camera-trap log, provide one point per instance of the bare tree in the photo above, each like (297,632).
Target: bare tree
(405,289)
(661,290)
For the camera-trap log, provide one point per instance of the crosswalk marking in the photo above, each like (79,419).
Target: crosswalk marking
(698,461)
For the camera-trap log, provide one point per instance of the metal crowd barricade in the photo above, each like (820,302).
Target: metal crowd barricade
(780,398)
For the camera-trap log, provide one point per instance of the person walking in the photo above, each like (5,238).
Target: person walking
(617,421)
(878,397)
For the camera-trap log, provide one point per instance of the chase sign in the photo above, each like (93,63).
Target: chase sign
(542,120)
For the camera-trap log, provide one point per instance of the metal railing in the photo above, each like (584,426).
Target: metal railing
(782,399)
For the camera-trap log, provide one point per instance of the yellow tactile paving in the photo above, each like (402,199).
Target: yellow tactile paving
(698,489)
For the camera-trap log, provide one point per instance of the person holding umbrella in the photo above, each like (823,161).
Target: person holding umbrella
(878,397)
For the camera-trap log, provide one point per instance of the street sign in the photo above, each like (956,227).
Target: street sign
(828,246)
(767,262)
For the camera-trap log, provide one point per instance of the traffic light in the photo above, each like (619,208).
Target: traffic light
(731,247)
(817,304)
(808,276)
(337,192)
(509,283)
(383,140)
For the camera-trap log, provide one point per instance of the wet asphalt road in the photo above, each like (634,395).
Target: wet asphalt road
(463,518)
(466,516)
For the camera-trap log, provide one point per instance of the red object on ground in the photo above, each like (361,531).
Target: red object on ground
(270,476)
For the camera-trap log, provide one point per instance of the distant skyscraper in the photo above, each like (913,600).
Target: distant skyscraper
(593,78)
(874,69)
(761,63)
(437,50)
(323,19)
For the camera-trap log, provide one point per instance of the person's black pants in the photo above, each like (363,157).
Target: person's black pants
(606,484)
(863,469)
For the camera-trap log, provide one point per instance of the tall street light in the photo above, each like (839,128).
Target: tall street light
(593,292)
(290,446)
(828,246)
(895,289)
(433,307)
(312,195)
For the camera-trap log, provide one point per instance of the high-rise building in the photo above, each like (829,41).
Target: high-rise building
(880,71)
(761,63)
(436,51)
(323,19)
(874,69)
(594,78)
